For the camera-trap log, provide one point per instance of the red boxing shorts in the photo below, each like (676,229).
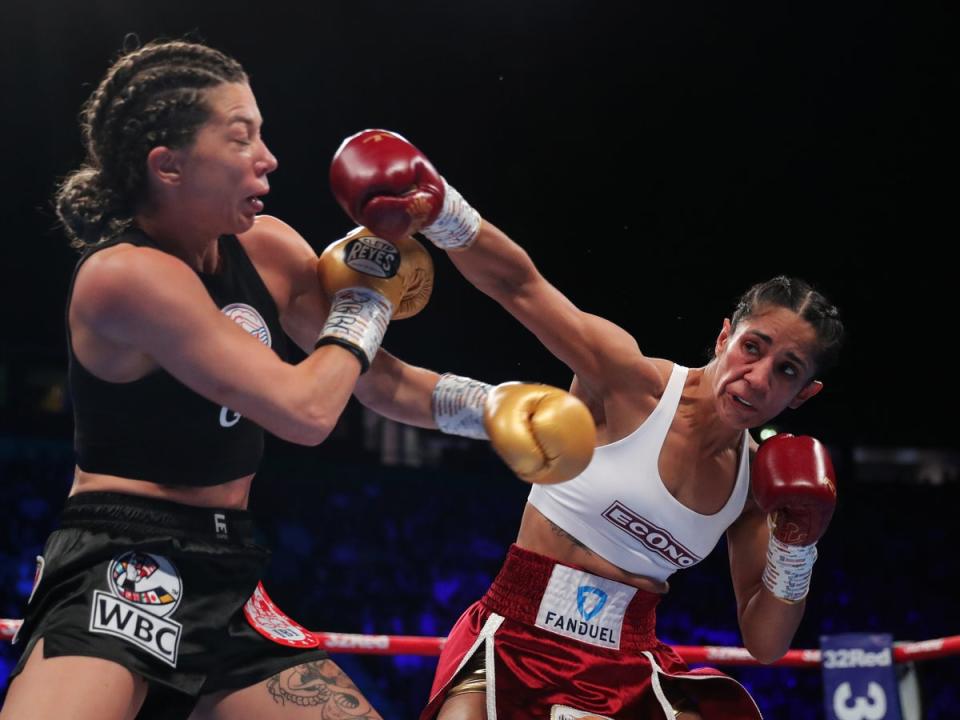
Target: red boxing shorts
(561,643)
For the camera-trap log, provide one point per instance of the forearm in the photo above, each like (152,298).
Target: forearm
(543,433)
(298,403)
(768,625)
(495,265)
(386,184)
(398,391)
(767,622)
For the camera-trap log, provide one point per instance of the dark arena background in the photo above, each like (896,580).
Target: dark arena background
(655,159)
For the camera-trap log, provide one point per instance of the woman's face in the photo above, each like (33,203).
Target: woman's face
(765,366)
(223,173)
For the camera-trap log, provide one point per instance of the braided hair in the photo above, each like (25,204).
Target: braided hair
(152,96)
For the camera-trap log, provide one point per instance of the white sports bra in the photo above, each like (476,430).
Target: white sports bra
(620,509)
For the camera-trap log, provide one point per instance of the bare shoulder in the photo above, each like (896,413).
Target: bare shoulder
(641,376)
(267,227)
(271,240)
(120,278)
(658,371)
(126,258)
(632,393)
(618,366)
(282,256)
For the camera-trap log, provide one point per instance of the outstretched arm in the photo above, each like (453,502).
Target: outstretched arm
(544,434)
(384,182)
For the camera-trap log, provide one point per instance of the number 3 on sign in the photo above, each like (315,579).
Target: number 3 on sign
(872,707)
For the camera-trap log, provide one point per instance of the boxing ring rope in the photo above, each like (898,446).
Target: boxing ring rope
(694,654)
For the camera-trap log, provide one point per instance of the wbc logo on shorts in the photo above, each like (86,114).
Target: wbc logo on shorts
(148,580)
(144,589)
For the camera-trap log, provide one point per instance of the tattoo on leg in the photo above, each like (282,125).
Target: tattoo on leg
(321,684)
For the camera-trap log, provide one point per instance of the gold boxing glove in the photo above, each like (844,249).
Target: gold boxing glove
(544,434)
(369,280)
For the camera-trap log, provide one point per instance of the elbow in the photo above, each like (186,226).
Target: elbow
(310,427)
(309,407)
(318,428)
(765,651)
(316,435)
(767,656)
(508,277)
(516,280)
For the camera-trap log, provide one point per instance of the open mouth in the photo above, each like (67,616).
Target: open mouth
(254,204)
(740,401)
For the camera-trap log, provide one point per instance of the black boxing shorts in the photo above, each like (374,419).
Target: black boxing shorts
(172,592)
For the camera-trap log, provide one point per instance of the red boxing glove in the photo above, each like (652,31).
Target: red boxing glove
(386,184)
(793,480)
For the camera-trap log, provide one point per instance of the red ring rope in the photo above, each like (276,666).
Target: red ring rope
(694,654)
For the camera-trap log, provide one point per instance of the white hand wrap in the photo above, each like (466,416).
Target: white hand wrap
(358,320)
(789,569)
(458,404)
(458,223)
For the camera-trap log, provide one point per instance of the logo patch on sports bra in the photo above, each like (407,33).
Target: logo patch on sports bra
(145,588)
(653,538)
(250,320)
(584,607)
